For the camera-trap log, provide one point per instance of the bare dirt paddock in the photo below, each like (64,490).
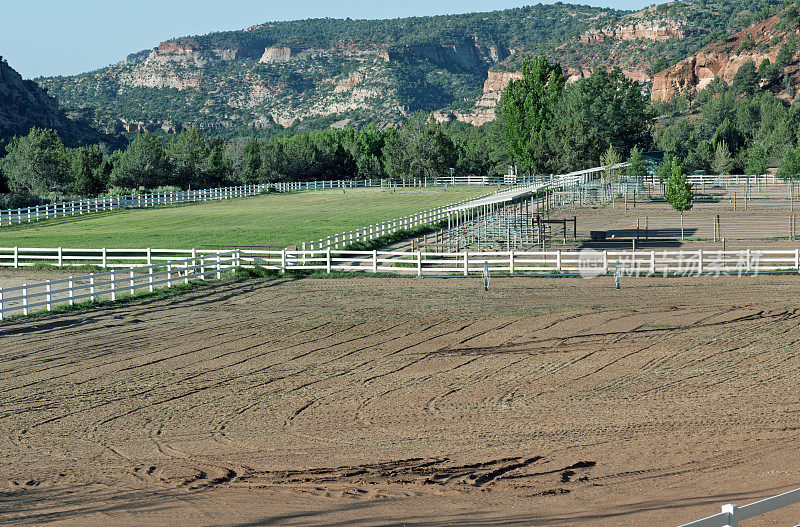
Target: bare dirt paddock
(406,401)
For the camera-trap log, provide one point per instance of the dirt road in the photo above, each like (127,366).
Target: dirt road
(406,401)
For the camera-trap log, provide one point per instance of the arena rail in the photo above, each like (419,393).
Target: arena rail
(731,514)
(113,284)
(585,262)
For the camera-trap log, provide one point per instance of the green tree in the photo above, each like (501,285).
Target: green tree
(85,165)
(610,160)
(421,149)
(678,190)
(745,81)
(756,162)
(526,109)
(664,168)
(37,163)
(186,154)
(143,164)
(790,164)
(722,159)
(636,168)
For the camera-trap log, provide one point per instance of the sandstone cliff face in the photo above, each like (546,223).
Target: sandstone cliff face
(658,31)
(23,104)
(720,60)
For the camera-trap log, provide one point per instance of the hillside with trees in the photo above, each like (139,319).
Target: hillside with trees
(324,73)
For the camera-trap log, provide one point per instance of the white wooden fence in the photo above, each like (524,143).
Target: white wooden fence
(584,262)
(731,515)
(371,232)
(72,208)
(113,284)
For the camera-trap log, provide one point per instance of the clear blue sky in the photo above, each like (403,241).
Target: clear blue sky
(64,37)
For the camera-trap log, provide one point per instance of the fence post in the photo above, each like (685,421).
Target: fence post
(374,261)
(731,510)
(283,259)
(49,297)
(71,292)
(419,263)
(558,260)
(605,262)
(466,263)
(700,261)
(150,277)
(91,287)
(105,258)
(219,271)
(149,256)
(169,275)
(16,257)
(797,259)
(186,270)
(652,262)
(511,261)
(60,257)
(1,303)
(328,260)
(133,287)
(25,299)
(113,286)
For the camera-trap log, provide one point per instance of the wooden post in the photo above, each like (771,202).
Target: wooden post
(374,261)
(466,263)
(25,299)
(49,297)
(328,260)
(133,287)
(419,263)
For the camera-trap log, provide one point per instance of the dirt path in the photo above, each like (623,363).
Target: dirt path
(383,401)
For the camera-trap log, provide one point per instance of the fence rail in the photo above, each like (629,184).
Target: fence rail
(731,514)
(585,262)
(87,206)
(113,284)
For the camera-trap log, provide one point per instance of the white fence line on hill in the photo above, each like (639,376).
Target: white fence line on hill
(586,262)
(731,514)
(113,284)
(72,208)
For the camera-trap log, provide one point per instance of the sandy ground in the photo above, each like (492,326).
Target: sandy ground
(406,402)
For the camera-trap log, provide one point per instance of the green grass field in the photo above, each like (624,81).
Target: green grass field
(274,219)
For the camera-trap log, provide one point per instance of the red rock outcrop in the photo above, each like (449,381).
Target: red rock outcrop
(720,60)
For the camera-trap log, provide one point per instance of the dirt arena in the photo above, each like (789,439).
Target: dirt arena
(406,402)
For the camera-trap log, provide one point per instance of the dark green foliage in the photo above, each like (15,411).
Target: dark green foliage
(421,149)
(144,164)
(756,160)
(746,79)
(526,108)
(636,167)
(747,43)
(790,164)
(37,163)
(86,166)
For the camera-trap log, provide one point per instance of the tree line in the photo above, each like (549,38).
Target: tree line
(544,126)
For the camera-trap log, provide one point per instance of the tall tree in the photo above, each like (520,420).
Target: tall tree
(143,164)
(421,149)
(636,168)
(526,109)
(85,166)
(37,163)
(722,159)
(679,191)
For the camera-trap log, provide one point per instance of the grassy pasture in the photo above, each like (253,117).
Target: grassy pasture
(273,219)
